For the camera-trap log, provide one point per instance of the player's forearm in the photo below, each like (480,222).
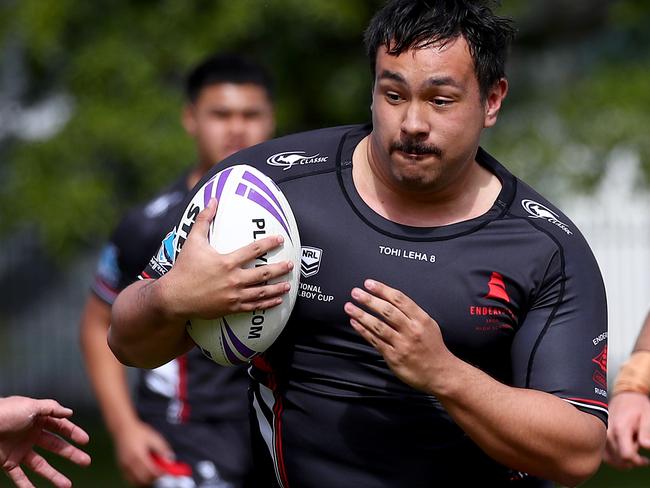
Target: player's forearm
(111,389)
(643,341)
(144,331)
(526,430)
(107,375)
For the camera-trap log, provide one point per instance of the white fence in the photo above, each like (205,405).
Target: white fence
(616,223)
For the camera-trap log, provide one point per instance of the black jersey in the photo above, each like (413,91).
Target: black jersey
(190,387)
(516,292)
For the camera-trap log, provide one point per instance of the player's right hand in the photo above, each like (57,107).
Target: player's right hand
(628,431)
(27,422)
(134,447)
(206,284)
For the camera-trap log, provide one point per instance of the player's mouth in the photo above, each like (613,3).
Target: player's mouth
(416,156)
(415,150)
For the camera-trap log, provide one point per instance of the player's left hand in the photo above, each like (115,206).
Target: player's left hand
(405,335)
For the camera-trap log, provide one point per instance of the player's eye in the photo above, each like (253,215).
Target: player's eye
(220,114)
(252,115)
(441,102)
(393,97)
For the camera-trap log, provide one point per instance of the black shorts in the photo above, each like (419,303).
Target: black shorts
(290,450)
(218,453)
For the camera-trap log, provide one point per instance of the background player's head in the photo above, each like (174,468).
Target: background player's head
(229,106)
(438,70)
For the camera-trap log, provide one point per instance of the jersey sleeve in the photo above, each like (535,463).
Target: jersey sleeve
(107,274)
(163,260)
(113,273)
(561,346)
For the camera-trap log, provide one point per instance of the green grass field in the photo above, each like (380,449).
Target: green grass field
(103,472)
(611,478)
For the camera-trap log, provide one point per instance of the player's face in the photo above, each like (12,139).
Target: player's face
(228,117)
(427,116)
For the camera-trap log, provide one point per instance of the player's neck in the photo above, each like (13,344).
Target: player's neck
(197,173)
(470,197)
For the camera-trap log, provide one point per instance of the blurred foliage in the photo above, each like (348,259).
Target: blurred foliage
(123,63)
(579,90)
(580,93)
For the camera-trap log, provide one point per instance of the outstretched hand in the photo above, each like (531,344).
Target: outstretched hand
(26,423)
(206,284)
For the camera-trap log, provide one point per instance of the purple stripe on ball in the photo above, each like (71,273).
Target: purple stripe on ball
(248,176)
(207,192)
(242,348)
(253,196)
(223,177)
(230,355)
(241,190)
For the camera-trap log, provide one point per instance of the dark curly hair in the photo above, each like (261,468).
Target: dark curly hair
(415,24)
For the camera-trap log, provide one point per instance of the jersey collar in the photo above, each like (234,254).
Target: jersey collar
(349,142)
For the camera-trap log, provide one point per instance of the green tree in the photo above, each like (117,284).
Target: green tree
(122,64)
(581,79)
(579,74)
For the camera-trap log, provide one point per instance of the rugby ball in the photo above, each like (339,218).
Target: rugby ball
(250,207)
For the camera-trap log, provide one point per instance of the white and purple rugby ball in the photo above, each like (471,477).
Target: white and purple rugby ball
(250,207)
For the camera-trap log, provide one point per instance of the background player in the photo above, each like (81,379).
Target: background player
(26,423)
(629,423)
(190,409)
(478,364)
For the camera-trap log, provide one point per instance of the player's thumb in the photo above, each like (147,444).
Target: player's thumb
(202,224)
(159,445)
(644,436)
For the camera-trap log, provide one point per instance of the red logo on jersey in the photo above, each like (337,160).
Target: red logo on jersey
(497,288)
(601,359)
(599,378)
(496,318)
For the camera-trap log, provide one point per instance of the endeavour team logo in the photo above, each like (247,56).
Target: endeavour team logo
(601,359)
(497,288)
(310,261)
(539,211)
(494,317)
(289,159)
(599,375)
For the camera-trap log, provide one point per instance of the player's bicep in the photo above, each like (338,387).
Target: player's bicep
(561,347)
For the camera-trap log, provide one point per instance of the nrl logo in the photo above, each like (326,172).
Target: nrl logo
(310,261)
(289,159)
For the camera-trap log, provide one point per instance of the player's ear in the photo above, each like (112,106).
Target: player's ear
(493,102)
(272,123)
(188,119)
